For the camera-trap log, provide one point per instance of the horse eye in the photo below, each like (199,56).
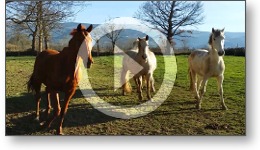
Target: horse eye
(214,39)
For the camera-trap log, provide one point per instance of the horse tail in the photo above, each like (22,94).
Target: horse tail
(125,81)
(30,84)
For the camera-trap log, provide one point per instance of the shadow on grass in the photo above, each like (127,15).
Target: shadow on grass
(20,104)
(77,116)
(20,115)
(114,98)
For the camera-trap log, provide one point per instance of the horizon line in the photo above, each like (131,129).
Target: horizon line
(133,24)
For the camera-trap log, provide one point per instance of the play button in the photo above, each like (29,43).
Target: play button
(126,112)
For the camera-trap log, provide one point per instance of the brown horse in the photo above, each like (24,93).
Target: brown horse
(60,72)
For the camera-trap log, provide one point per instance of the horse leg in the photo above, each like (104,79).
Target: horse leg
(48,103)
(139,88)
(136,83)
(148,86)
(55,102)
(199,82)
(220,89)
(202,91)
(193,84)
(152,84)
(37,100)
(143,79)
(141,82)
(68,96)
(123,81)
(48,108)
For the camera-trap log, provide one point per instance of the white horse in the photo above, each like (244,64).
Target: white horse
(206,64)
(140,55)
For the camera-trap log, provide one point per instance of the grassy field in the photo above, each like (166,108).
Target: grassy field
(176,116)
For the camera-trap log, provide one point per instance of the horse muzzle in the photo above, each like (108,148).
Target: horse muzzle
(144,57)
(221,53)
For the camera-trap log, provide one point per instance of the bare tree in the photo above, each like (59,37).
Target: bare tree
(169,17)
(112,32)
(96,37)
(21,15)
(26,11)
(40,17)
(19,40)
(55,12)
(40,24)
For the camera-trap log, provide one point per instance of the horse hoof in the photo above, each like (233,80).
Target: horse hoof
(59,133)
(42,123)
(224,108)
(198,107)
(44,127)
(140,98)
(37,119)
(197,97)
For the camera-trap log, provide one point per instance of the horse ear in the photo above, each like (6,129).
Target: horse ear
(213,30)
(139,39)
(147,38)
(223,29)
(79,27)
(89,29)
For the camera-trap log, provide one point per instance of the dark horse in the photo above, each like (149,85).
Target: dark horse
(60,72)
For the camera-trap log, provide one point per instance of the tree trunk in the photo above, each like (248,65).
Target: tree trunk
(113,47)
(39,22)
(169,46)
(46,43)
(170,29)
(40,43)
(33,41)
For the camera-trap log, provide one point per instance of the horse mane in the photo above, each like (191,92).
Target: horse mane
(216,33)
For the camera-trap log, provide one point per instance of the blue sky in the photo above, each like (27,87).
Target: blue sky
(218,14)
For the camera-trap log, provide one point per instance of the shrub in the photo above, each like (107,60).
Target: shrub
(240,51)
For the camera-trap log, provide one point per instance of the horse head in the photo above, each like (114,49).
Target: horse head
(216,41)
(83,40)
(143,47)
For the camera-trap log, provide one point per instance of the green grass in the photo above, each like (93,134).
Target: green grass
(176,116)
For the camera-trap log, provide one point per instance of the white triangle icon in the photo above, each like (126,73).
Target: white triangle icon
(134,67)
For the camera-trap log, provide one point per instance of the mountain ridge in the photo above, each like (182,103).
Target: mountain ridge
(198,39)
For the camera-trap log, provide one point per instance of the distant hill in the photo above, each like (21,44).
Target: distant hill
(64,31)
(199,39)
